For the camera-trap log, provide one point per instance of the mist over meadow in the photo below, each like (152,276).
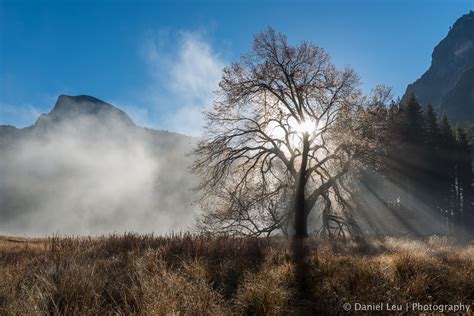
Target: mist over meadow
(86,168)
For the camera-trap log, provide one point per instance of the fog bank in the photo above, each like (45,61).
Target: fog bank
(85,168)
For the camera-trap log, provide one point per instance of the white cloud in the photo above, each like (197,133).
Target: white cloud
(184,78)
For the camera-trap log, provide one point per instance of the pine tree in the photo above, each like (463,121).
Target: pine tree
(447,137)
(447,170)
(464,180)
(431,160)
(413,121)
(411,152)
(432,132)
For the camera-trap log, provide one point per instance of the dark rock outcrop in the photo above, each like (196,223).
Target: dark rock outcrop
(451,59)
(459,101)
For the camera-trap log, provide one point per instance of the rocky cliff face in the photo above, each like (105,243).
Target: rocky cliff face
(451,59)
(459,101)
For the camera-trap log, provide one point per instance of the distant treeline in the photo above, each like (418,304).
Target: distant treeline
(429,159)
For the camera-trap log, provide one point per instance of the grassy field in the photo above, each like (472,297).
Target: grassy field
(147,275)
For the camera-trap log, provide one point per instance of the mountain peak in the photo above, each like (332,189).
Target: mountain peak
(79,98)
(71,107)
(458,43)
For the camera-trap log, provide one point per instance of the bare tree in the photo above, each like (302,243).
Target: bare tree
(287,133)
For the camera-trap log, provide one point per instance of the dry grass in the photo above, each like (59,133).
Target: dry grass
(143,274)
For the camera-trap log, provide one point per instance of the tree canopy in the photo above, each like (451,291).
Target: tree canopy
(285,136)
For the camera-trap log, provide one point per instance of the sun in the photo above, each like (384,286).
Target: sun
(293,131)
(307,126)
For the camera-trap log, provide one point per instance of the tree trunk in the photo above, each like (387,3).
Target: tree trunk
(301,220)
(301,216)
(299,247)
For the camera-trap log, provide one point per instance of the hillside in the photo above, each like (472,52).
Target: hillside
(86,168)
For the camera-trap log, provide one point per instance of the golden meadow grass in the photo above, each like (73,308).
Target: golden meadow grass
(199,275)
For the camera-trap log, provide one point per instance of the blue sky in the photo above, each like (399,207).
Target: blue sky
(160,60)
